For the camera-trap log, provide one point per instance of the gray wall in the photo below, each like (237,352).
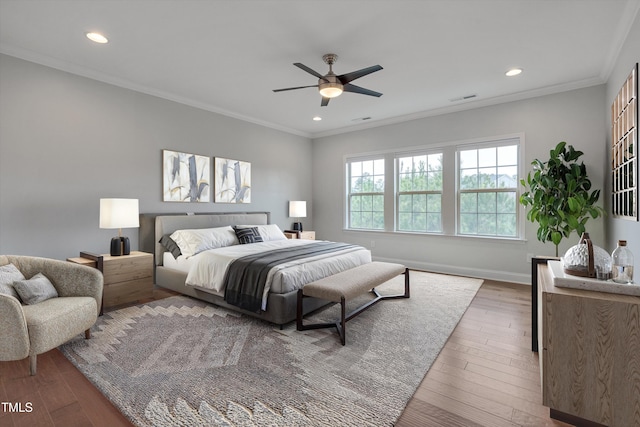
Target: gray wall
(620,228)
(67,141)
(575,117)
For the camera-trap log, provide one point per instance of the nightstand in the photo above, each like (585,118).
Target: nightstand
(307,235)
(127,278)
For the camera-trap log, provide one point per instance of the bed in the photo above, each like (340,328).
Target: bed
(278,304)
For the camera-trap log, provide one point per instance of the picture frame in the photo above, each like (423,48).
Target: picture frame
(624,150)
(232,181)
(186,177)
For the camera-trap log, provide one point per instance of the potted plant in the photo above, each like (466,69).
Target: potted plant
(558,192)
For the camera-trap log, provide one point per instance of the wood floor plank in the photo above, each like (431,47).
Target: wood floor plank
(423,414)
(38,417)
(461,409)
(491,384)
(504,397)
(71,415)
(468,398)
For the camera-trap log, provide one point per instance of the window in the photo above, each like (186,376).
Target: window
(419,193)
(366,193)
(468,188)
(488,190)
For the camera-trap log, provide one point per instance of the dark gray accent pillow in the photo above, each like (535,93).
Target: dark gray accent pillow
(169,244)
(248,235)
(8,274)
(35,290)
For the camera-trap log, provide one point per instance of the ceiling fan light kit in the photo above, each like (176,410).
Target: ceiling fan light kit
(331,89)
(330,85)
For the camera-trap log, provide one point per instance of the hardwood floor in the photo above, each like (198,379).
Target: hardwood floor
(485,375)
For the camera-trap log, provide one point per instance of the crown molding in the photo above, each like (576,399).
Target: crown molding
(105,78)
(470,105)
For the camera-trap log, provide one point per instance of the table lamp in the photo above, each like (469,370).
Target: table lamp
(297,209)
(119,213)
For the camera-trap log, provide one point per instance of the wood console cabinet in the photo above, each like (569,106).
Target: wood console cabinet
(589,354)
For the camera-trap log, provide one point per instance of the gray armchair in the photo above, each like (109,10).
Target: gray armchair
(29,330)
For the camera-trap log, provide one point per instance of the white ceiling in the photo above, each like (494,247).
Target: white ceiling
(226,56)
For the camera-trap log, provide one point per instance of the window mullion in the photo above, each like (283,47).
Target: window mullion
(389,190)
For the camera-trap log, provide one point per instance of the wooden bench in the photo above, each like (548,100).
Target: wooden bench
(348,284)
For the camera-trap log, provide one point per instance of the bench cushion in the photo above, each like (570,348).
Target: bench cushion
(353,282)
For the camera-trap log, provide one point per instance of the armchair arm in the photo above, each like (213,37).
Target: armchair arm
(69,279)
(14,336)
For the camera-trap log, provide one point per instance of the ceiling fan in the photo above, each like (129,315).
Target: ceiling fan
(330,85)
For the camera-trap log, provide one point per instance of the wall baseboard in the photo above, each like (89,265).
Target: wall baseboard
(502,276)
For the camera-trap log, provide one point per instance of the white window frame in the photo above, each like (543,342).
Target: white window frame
(349,195)
(517,140)
(450,214)
(398,192)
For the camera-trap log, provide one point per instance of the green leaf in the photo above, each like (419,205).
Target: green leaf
(572,221)
(556,238)
(574,206)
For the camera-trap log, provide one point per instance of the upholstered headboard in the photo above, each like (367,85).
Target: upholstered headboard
(154,226)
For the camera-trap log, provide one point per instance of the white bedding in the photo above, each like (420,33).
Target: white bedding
(182,263)
(207,269)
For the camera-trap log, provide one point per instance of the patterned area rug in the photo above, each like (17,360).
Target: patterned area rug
(183,362)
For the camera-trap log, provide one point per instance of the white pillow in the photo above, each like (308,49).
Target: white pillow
(268,232)
(192,242)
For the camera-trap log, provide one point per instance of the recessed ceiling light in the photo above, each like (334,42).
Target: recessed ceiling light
(97,37)
(513,72)
(317,118)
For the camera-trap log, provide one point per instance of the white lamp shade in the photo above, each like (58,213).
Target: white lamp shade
(297,209)
(119,213)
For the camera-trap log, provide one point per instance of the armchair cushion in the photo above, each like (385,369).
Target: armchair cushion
(57,320)
(8,274)
(35,290)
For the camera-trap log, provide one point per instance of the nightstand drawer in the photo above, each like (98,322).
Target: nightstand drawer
(127,267)
(120,293)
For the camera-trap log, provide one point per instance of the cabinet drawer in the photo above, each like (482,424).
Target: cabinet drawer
(124,269)
(124,292)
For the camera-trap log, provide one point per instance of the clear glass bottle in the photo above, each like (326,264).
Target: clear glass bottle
(622,269)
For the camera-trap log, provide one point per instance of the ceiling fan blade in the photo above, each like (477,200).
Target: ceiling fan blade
(308,70)
(357,89)
(346,78)
(325,101)
(293,88)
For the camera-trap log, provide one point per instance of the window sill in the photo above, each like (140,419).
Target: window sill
(462,237)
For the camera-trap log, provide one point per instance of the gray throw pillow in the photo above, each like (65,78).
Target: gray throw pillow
(169,244)
(35,290)
(8,274)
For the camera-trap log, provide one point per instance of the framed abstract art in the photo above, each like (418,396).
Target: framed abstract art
(186,177)
(232,182)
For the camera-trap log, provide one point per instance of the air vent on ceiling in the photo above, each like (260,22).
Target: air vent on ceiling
(361,119)
(463,98)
